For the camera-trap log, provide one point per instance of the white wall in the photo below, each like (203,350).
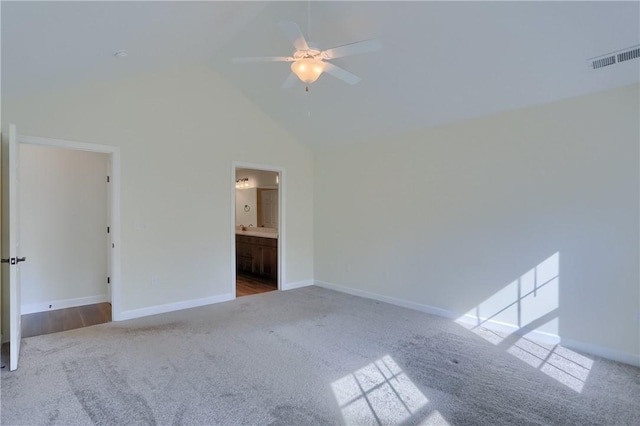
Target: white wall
(179,131)
(247,197)
(451,217)
(63,220)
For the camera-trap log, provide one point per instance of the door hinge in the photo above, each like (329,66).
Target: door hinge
(108,280)
(107,179)
(107,229)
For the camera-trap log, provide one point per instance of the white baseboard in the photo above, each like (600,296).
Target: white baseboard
(170,307)
(299,284)
(603,352)
(540,336)
(544,337)
(394,301)
(32,308)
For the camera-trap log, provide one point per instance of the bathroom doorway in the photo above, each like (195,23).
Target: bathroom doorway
(257,229)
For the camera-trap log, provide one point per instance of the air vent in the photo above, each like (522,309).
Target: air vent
(603,62)
(629,54)
(614,57)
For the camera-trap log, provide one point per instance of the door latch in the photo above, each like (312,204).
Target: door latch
(13,260)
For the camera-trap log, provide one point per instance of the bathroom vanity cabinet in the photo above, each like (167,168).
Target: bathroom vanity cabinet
(257,255)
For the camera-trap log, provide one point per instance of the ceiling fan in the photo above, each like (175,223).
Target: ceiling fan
(309,62)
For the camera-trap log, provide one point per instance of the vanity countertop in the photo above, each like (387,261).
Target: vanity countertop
(256,233)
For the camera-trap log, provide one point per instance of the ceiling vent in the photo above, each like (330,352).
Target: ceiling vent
(629,54)
(614,57)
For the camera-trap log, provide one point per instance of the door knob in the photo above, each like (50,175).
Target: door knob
(20,259)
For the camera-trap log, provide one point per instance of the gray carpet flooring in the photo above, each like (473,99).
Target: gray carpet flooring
(309,356)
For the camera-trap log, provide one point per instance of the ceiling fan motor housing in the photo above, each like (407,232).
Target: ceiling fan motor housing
(310,53)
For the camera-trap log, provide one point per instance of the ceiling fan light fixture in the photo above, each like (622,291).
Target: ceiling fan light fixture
(308,69)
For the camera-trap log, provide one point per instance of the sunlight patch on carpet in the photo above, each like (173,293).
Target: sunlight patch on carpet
(435,418)
(378,393)
(566,366)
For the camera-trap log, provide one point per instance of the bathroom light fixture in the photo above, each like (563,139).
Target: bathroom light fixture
(308,69)
(242,183)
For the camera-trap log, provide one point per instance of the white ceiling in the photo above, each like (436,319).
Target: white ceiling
(441,62)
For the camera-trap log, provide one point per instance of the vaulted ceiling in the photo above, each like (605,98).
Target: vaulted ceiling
(441,62)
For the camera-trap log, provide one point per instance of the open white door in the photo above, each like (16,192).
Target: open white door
(14,253)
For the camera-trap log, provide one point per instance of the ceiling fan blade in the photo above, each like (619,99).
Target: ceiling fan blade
(365,46)
(341,73)
(263,59)
(292,31)
(290,81)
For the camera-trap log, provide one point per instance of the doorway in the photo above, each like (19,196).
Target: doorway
(257,228)
(85,204)
(64,227)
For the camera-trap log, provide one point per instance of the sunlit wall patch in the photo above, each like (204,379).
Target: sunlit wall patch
(523,311)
